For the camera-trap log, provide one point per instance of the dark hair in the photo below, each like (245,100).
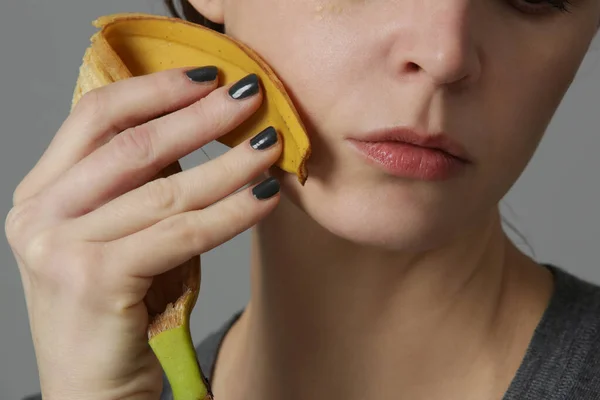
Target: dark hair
(189,13)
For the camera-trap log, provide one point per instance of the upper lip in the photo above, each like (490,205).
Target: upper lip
(439,141)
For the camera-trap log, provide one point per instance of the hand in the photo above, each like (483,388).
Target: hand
(107,209)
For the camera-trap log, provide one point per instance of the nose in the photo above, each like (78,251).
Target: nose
(434,39)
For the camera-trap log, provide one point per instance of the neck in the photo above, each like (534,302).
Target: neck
(321,304)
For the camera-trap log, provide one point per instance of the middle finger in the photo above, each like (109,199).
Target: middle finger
(139,154)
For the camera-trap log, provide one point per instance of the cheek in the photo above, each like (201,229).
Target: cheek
(301,43)
(277,29)
(523,88)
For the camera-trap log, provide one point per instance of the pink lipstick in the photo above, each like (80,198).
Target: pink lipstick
(405,153)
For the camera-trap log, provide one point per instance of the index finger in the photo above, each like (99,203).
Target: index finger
(104,112)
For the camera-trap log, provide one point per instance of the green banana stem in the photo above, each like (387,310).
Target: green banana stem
(175,351)
(171,341)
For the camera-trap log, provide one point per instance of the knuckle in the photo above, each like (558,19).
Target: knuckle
(230,166)
(162,194)
(238,211)
(51,263)
(166,85)
(19,194)
(40,249)
(186,228)
(201,108)
(199,239)
(212,113)
(13,224)
(17,221)
(136,144)
(91,103)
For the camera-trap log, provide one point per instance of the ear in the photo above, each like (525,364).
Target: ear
(211,9)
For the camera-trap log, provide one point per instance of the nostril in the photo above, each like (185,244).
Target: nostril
(412,67)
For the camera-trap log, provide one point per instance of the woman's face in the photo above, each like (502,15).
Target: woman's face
(489,74)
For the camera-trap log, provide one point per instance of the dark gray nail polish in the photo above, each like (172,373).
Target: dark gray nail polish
(203,74)
(264,139)
(245,87)
(266,189)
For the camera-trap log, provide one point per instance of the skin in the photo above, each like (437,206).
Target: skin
(367,285)
(363,285)
(89,258)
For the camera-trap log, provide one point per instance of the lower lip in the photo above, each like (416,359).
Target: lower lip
(409,161)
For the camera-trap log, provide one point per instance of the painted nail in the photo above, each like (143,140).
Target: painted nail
(266,189)
(245,87)
(264,139)
(203,74)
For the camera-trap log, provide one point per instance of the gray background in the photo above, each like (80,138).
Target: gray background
(554,203)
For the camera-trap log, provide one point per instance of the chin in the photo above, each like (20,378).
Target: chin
(389,217)
(407,235)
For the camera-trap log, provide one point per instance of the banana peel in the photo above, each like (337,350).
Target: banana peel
(134,44)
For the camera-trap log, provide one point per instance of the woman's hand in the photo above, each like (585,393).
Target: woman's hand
(92,224)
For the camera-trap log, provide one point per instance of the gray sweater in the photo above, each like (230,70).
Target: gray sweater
(562,361)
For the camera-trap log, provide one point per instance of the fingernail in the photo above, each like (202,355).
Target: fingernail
(203,74)
(264,139)
(245,87)
(266,189)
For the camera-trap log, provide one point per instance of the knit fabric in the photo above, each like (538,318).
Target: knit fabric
(562,361)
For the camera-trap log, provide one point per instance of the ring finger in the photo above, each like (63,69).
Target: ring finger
(192,189)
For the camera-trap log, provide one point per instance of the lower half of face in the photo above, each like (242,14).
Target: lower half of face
(488,75)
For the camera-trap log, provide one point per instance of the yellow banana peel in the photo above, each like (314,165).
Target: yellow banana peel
(134,44)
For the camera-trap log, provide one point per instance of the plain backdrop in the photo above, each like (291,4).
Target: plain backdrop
(554,203)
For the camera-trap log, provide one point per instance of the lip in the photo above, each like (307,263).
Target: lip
(404,152)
